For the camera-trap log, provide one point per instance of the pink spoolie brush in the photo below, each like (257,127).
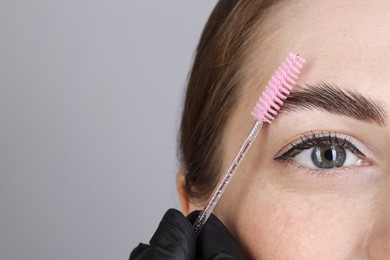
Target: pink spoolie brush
(265,110)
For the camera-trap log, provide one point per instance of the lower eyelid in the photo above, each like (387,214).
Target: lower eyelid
(335,172)
(296,178)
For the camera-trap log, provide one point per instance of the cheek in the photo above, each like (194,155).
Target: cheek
(272,223)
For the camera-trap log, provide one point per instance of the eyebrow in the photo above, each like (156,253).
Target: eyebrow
(330,98)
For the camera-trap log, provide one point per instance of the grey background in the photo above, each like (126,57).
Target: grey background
(90,100)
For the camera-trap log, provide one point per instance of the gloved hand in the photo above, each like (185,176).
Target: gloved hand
(174,239)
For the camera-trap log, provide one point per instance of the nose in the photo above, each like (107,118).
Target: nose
(378,243)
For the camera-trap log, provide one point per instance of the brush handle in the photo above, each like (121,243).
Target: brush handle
(226,178)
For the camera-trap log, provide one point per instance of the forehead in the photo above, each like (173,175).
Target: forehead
(345,42)
(339,37)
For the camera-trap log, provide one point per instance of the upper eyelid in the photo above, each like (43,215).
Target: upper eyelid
(316,139)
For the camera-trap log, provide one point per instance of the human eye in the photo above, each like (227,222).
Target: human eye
(324,151)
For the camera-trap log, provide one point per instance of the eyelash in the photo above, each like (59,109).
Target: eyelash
(308,142)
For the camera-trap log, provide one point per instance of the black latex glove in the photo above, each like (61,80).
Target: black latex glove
(174,239)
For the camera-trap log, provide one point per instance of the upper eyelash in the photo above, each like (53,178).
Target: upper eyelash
(316,140)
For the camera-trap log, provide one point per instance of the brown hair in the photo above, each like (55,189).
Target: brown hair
(213,90)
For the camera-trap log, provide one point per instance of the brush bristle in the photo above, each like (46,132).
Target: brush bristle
(278,89)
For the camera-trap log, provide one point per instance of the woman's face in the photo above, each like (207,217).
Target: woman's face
(328,194)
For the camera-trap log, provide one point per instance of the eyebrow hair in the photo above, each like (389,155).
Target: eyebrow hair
(330,98)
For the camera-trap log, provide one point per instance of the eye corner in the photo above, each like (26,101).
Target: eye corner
(281,158)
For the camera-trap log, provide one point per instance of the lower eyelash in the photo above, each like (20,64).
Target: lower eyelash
(308,142)
(323,173)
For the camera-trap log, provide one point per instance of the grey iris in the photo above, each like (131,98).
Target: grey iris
(328,156)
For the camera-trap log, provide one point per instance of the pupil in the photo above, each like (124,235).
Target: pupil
(328,156)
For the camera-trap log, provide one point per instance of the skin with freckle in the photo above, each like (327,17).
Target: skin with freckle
(283,210)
